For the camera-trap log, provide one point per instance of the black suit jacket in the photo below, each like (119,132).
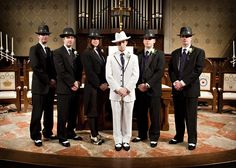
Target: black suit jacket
(192,70)
(69,69)
(153,71)
(43,69)
(94,67)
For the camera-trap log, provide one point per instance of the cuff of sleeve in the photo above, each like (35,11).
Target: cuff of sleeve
(174,83)
(148,86)
(182,82)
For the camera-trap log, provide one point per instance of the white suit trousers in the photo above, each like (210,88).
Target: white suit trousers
(122,121)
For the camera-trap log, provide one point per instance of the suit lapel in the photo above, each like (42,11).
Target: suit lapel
(177,58)
(68,57)
(41,50)
(140,59)
(189,56)
(97,57)
(117,58)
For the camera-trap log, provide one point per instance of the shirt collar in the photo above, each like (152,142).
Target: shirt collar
(42,45)
(151,50)
(125,52)
(67,48)
(187,48)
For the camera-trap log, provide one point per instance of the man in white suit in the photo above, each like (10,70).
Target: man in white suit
(122,73)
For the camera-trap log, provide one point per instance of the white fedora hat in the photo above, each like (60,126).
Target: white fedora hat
(120,37)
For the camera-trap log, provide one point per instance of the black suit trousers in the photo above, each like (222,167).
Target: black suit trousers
(48,113)
(42,105)
(67,106)
(185,112)
(145,103)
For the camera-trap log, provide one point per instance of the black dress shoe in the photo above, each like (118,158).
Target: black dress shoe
(52,137)
(118,147)
(153,144)
(38,142)
(65,143)
(137,139)
(174,141)
(191,146)
(126,146)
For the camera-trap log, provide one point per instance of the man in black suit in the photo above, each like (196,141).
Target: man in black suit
(185,67)
(148,92)
(43,87)
(96,87)
(69,73)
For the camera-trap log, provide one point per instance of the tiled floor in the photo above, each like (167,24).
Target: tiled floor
(216,132)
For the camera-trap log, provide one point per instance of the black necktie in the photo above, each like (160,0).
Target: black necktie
(182,63)
(122,60)
(144,61)
(71,57)
(48,53)
(47,50)
(70,51)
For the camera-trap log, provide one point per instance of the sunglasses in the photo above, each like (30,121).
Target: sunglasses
(185,36)
(95,38)
(148,38)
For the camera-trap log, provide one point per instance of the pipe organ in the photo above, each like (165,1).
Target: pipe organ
(122,14)
(110,16)
(147,14)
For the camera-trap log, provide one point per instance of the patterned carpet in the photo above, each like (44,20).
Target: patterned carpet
(216,132)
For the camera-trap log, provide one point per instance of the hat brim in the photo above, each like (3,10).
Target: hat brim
(66,35)
(40,33)
(116,41)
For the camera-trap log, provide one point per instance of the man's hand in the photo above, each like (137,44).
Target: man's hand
(142,87)
(178,85)
(122,92)
(52,83)
(74,88)
(103,86)
(76,85)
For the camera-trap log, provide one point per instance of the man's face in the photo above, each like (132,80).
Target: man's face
(186,40)
(122,45)
(149,42)
(43,38)
(69,41)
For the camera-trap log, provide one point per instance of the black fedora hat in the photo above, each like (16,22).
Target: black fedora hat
(185,31)
(68,31)
(94,33)
(149,34)
(43,29)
